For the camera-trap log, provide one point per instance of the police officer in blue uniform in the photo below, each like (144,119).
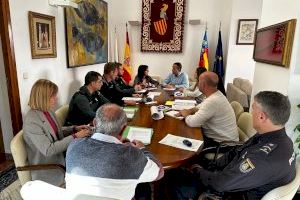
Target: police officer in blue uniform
(266,161)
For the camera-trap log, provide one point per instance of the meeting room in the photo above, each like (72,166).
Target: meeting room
(149,100)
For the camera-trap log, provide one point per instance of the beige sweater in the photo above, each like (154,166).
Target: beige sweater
(216,117)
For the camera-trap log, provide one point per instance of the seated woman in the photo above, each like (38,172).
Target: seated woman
(45,139)
(143,79)
(193,90)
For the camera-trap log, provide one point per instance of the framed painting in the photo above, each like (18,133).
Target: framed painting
(274,43)
(87,33)
(42,35)
(162,26)
(246,31)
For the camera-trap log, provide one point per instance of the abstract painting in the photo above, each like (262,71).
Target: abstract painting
(86,32)
(162,26)
(42,35)
(274,43)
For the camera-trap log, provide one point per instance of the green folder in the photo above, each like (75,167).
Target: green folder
(145,138)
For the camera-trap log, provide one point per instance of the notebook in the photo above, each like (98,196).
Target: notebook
(138,133)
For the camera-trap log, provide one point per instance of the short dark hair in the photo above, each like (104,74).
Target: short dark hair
(109,67)
(118,64)
(91,76)
(179,66)
(275,105)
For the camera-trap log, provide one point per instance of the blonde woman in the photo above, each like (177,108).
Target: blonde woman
(45,139)
(193,90)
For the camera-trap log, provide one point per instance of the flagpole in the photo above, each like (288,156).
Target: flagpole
(220,26)
(206,25)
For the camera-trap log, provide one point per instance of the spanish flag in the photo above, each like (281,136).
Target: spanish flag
(126,63)
(203,62)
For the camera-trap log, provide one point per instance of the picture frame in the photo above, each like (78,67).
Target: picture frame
(42,35)
(246,31)
(87,33)
(273,44)
(162,27)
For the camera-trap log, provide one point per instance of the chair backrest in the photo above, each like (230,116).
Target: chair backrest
(237,108)
(157,78)
(62,113)
(36,190)
(287,191)
(19,153)
(245,126)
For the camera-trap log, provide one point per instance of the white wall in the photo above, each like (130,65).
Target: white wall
(239,60)
(54,69)
(160,63)
(5,117)
(271,77)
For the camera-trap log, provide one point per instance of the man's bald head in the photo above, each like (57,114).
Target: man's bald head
(110,119)
(210,78)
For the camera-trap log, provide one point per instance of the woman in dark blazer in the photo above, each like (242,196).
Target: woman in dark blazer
(143,79)
(45,139)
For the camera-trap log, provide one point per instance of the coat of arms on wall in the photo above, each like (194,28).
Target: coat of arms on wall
(86,28)
(162,26)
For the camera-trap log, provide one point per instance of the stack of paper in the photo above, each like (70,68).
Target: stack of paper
(173,113)
(130,111)
(141,91)
(131,98)
(181,104)
(169,89)
(138,133)
(177,141)
(154,94)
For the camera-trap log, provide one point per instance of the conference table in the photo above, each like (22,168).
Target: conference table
(170,157)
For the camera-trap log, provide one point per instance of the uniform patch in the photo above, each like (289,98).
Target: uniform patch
(246,166)
(267,148)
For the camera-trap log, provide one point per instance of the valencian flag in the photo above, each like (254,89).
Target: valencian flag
(126,63)
(218,65)
(203,62)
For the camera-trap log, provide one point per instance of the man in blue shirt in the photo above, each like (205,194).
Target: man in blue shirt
(176,79)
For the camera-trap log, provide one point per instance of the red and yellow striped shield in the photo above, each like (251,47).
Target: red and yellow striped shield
(160,26)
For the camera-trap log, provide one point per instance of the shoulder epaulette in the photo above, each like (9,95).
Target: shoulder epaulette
(268,148)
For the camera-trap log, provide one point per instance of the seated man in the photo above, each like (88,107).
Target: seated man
(215,114)
(177,79)
(110,89)
(121,85)
(266,161)
(104,166)
(86,101)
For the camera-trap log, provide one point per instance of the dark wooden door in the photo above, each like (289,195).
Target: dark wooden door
(10,66)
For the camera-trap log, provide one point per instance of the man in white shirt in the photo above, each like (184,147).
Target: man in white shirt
(215,114)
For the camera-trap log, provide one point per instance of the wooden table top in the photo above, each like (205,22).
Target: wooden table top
(170,157)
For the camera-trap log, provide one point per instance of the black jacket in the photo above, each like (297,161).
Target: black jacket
(264,162)
(83,106)
(123,88)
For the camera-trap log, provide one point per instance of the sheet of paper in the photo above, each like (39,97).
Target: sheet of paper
(129,115)
(154,93)
(151,102)
(142,134)
(131,99)
(152,88)
(177,141)
(185,101)
(169,103)
(169,89)
(141,91)
(172,113)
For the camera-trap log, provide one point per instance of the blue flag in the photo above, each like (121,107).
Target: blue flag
(218,64)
